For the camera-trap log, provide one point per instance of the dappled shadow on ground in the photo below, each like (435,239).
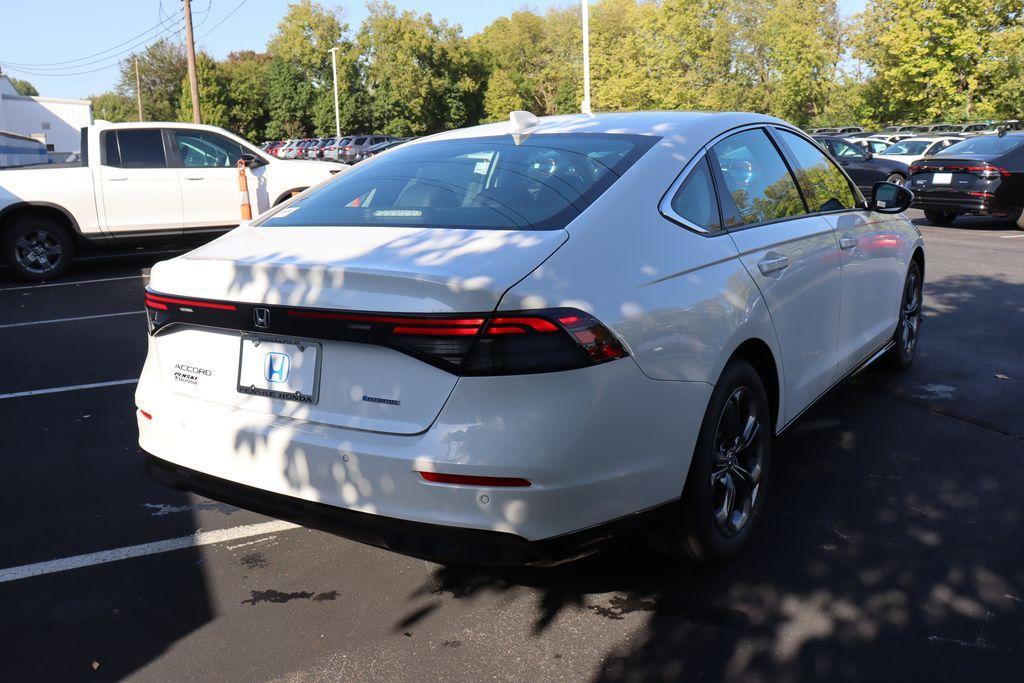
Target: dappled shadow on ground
(889,549)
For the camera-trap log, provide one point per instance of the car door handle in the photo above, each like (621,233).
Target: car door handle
(772,264)
(194,177)
(847,242)
(116,180)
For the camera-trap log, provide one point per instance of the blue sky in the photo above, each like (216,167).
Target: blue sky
(38,35)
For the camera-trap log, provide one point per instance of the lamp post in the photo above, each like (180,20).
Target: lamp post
(585,105)
(337,113)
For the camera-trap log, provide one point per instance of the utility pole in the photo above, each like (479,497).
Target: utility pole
(138,87)
(190,53)
(337,113)
(585,106)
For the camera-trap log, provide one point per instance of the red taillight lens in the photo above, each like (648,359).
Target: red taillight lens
(144,414)
(469,480)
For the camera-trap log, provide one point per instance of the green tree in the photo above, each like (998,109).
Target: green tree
(214,103)
(420,75)
(162,67)
(932,61)
(245,77)
(23,87)
(113,107)
(289,100)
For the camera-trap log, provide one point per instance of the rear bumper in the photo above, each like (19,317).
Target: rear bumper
(428,541)
(988,206)
(596,444)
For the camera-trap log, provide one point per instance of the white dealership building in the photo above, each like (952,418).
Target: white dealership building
(54,121)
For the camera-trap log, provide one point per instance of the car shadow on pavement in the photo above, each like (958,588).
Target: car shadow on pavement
(889,549)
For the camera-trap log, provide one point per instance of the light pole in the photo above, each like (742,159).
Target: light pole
(190,54)
(337,113)
(585,106)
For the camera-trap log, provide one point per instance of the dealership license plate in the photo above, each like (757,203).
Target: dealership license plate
(279,368)
(942,178)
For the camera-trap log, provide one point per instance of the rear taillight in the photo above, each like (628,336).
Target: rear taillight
(500,343)
(506,343)
(987,171)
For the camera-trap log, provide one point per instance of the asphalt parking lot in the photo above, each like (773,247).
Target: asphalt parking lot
(891,549)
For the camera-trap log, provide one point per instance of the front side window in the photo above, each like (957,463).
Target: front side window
(488,183)
(695,200)
(199,149)
(908,147)
(846,150)
(141,148)
(824,185)
(757,179)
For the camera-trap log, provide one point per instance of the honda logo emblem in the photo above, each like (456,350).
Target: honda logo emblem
(261,317)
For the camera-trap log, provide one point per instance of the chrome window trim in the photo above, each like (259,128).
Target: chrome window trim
(665,206)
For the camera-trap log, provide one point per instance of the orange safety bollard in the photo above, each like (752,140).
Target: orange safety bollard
(243,191)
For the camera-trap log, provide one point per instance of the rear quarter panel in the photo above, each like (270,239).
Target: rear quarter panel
(67,188)
(680,301)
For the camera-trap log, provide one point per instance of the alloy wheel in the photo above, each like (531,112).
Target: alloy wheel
(911,318)
(738,462)
(38,251)
(895,179)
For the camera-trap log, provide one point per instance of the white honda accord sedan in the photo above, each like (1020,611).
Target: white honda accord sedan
(504,344)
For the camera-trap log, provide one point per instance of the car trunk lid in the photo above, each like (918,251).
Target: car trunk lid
(309,284)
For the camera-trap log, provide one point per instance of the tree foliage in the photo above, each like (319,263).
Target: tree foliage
(113,107)
(405,73)
(162,66)
(23,87)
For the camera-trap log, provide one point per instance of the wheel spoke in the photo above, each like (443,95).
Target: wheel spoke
(750,432)
(728,498)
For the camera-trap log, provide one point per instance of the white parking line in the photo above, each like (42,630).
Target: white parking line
(74,387)
(200,538)
(68,320)
(73,282)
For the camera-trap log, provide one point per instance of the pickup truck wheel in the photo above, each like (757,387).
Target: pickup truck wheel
(38,248)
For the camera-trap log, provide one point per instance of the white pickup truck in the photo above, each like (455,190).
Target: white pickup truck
(139,180)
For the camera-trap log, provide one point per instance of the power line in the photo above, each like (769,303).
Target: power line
(161,25)
(226,17)
(177,26)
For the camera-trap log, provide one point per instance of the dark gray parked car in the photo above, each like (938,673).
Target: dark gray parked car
(358,144)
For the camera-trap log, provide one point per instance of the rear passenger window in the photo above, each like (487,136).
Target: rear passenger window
(695,200)
(141,148)
(111,157)
(824,185)
(758,182)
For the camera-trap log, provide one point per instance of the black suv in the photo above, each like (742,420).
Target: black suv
(980,175)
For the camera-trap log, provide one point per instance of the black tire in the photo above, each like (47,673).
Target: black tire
(691,529)
(38,247)
(943,218)
(908,329)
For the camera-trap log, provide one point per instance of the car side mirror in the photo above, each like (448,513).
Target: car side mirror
(252,161)
(868,156)
(890,198)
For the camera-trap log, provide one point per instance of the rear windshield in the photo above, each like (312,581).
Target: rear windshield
(909,147)
(488,183)
(985,144)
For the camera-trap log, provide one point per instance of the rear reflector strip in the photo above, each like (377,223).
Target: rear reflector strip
(466,480)
(194,303)
(144,414)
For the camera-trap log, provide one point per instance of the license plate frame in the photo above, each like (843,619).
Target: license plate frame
(942,178)
(280,345)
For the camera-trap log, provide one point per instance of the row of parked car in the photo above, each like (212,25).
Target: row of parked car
(347,150)
(973,169)
(966,129)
